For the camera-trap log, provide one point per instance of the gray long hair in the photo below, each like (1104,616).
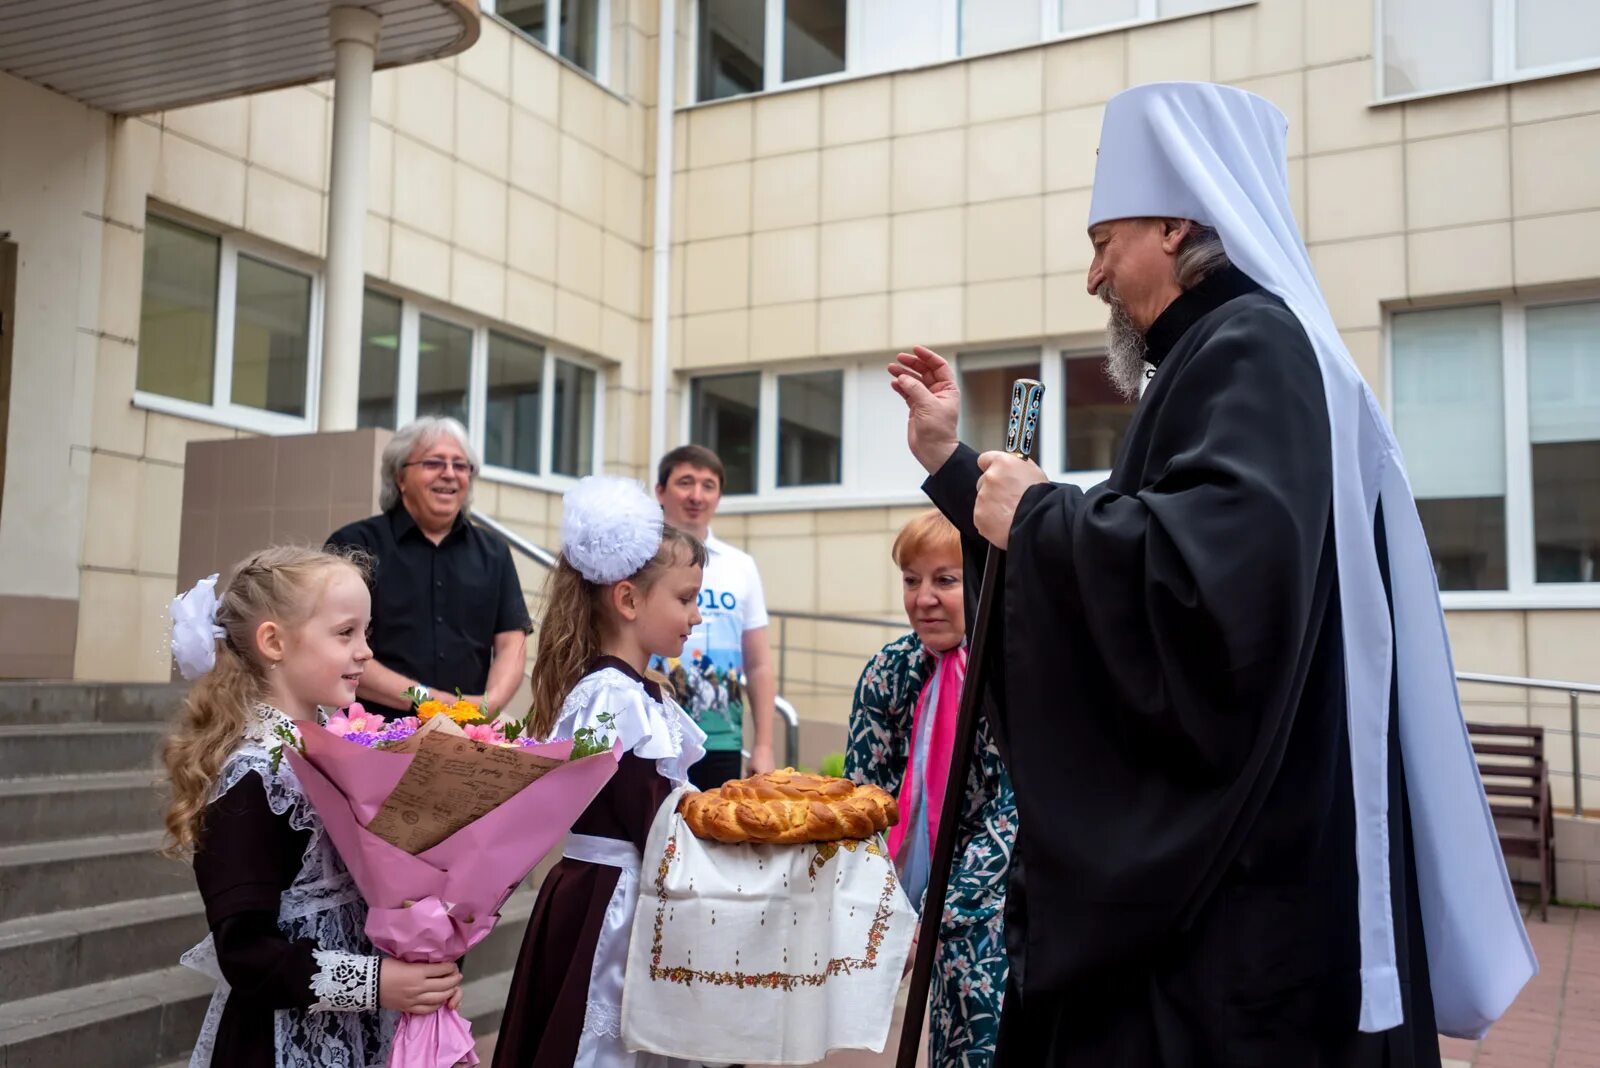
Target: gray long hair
(420,433)
(1200,255)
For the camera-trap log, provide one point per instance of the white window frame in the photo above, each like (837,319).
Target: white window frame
(1521,591)
(222,410)
(1503,50)
(602,49)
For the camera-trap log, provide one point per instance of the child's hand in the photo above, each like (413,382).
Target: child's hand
(418,988)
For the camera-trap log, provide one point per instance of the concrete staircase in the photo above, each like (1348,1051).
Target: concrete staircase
(92,919)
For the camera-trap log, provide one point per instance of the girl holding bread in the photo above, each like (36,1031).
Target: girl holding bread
(624,590)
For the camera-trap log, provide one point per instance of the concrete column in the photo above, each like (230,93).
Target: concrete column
(355,45)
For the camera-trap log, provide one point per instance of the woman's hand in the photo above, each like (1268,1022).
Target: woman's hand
(418,988)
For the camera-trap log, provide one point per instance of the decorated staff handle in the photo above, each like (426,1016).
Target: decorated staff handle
(1022,439)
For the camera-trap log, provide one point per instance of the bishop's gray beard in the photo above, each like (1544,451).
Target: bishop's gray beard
(1125,347)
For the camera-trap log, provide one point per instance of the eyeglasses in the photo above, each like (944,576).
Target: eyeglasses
(435,466)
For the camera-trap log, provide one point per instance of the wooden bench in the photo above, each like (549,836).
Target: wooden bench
(1517,782)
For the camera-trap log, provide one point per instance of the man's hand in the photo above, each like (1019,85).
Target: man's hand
(1004,480)
(927,383)
(761,759)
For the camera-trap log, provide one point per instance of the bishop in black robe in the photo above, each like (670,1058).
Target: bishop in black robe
(1166,683)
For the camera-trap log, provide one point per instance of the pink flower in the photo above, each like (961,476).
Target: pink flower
(339,724)
(488,733)
(355,720)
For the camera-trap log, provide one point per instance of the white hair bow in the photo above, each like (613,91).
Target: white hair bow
(194,629)
(610,528)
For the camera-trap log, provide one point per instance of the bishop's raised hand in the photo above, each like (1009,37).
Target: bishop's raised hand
(927,383)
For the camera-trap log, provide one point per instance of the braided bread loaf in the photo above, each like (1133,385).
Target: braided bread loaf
(788,807)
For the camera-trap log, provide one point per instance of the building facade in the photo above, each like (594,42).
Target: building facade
(848,177)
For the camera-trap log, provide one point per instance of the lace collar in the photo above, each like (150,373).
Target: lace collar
(262,722)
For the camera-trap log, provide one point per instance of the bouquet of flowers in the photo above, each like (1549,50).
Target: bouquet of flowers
(437,827)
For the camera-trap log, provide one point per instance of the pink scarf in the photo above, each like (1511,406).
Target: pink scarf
(944,683)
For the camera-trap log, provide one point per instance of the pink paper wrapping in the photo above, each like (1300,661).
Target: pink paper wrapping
(457,886)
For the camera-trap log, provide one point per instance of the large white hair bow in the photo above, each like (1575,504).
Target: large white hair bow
(194,629)
(610,528)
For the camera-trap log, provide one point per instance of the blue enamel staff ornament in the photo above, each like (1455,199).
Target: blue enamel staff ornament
(1022,439)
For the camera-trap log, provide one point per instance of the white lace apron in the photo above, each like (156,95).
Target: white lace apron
(322,904)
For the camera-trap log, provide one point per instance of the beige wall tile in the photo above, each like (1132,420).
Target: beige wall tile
(787,191)
(121,282)
(930,170)
(383,95)
(1003,310)
(1005,159)
(930,99)
(857,110)
(1561,645)
(1264,38)
(1366,350)
(535,155)
(1288,92)
(1557,165)
(1457,113)
(577,320)
(619,338)
(423,187)
(583,190)
(115,484)
(927,316)
(380,170)
(718,201)
(788,568)
(583,109)
(1491,643)
(1461,179)
(1297,192)
(1170,51)
(1070,140)
(1357,276)
(160,508)
(854,565)
(488,62)
(855,257)
(478,284)
(425,104)
(530,303)
(483,129)
(783,331)
(1557,248)
(855,180)
(289,134)
(480,213)
(580,257)
(222,124)
(1066,238)
(531,235)
(1337,32)
(716,338)
(721,133)
(1338,115)
(1355,194)
(535,81)
(929,248)
(134,148)
(787,122)
(167,437)
(717,275)
(853,324)
(783,266)
(419,262)
(1005,86)
(626,134)
(625,192)
(283,211)
(1553,98)
(1087,71)
(375,249)
(1069,309)
(623,274)
(117,426)
(106,596)
(200,180)
(1005,239)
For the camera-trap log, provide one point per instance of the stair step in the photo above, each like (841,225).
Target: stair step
(89,702)
(124,1023)
(74,806)
(44,877)
(483,1002)
(34,750)
(60,950)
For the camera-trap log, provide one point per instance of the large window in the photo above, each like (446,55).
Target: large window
(1082,440)
(1439,45)
(772,431)
(1497,410)
(747,46)
(573,29)
(810,428)
(724,417)
(224,331)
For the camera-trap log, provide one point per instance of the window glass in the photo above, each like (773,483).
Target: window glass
(574,420)
(986,395)
(813,38)
(1449,419)
(988,25)
(1096,415)
(1564,439)
(178,312)
(810,428)
(723,417)
(271,337)
(1089,14)
(444,368)
(580,33)
(1550,32)
(529,16)
(732,47)
(380,361)
(512,407)
(1436,44)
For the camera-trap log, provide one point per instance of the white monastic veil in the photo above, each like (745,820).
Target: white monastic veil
(1217,155)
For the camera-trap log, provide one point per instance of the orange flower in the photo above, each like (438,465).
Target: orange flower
(428,709)
(465,712)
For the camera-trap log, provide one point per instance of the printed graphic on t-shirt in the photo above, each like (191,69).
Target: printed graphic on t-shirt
(709,676)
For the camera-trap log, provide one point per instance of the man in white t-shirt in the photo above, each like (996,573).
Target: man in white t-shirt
(726,665)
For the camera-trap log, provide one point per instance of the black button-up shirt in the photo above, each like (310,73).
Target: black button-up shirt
(436,608)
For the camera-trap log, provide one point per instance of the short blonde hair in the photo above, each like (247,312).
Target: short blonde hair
(929,534)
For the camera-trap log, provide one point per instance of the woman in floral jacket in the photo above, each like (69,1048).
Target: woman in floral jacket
(902,730)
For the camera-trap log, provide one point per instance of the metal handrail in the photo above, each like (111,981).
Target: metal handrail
(1572,689)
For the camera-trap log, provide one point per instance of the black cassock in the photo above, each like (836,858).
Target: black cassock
(1168,692)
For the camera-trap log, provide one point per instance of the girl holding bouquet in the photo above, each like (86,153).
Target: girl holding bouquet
(624,590)
(298,984)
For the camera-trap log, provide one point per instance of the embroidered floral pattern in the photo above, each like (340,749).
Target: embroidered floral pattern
(344,982)
(969,977)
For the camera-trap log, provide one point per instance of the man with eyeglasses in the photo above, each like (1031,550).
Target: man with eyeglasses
(448,612)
